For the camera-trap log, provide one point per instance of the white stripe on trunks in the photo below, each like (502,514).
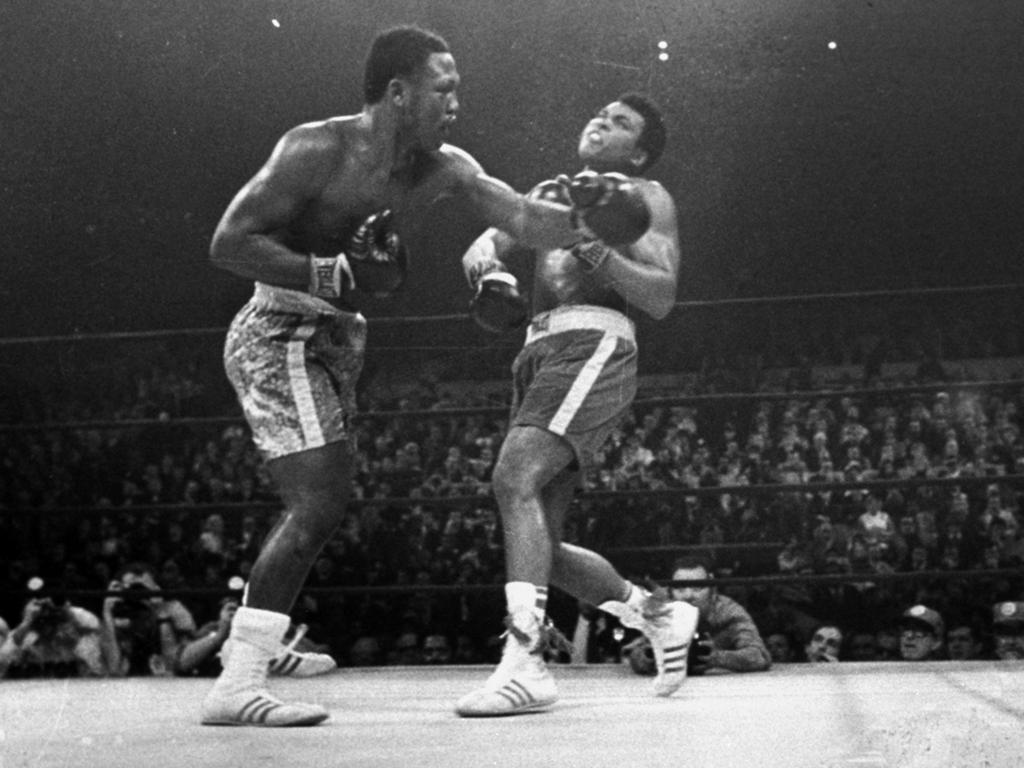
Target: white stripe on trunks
(298,377)
(581,386)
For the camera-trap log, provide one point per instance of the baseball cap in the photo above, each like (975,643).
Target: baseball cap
(1008,613)
(923,617)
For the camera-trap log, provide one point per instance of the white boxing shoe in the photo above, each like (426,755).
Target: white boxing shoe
(670,626)
(521,682)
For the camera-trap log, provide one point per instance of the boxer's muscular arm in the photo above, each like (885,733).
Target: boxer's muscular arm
(646,273)
(538,224)
(244,242)
(489,248)
(533,223)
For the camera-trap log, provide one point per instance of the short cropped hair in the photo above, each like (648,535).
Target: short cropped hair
(652,139)
(397,52)
(697,559)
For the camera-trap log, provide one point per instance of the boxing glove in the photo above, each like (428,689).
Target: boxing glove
(610,206)
(376,256)
(590,251)
(497,305)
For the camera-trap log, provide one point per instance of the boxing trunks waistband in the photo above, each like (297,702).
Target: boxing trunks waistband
(278,299)
(580,317)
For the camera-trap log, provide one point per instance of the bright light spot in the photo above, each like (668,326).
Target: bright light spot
(662,44)
(663,56)
(831,45)
(275,22)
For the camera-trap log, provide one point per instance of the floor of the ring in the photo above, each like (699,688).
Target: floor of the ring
(898,715)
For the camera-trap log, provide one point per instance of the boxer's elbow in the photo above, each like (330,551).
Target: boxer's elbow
(661,305)
(659,296)
(224,250)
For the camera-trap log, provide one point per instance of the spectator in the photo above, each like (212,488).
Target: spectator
(863,647)
(406,649)
(963,642)
(780,647)
(825,644)
(436,649)
(921,634)
(141,632)
(467,650)
(54,639)
(729,639)
(1008,630)
(365,651)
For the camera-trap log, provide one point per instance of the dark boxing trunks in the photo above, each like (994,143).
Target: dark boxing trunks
(576,375)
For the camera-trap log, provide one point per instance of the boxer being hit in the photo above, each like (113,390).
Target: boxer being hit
(573,382)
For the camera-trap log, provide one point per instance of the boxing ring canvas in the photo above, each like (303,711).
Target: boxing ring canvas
(868,715)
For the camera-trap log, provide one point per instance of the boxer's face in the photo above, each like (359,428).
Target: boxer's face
(431,104)
(609,140)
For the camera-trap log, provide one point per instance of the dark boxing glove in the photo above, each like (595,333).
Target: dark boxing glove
(376,256)
(497,305)
(610,206)
(591,252)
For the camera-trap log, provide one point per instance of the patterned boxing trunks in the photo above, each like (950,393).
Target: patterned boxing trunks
(576,375)
(294,361)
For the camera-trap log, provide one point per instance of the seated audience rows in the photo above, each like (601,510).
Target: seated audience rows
(79,506)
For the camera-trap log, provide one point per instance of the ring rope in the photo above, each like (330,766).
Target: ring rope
(688,304)
(767,489)
(212,421)
(718,581)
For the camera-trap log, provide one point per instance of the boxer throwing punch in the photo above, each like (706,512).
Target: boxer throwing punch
(572,382)
(319,224)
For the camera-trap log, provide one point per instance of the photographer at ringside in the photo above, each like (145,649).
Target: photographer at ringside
(54,639)
(142,633)
(727,638)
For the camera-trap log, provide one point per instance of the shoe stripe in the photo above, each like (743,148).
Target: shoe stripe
(257,710)
(523,691)
(516,694)
(266,712)
(287,664)
(260,713)
(245,713)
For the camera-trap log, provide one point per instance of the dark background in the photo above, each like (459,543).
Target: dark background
(893,161)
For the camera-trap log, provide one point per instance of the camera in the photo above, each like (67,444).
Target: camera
(51,615)
(134,601)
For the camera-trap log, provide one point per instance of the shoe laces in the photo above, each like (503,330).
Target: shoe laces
(300,632)
(549,637)
(656,604)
